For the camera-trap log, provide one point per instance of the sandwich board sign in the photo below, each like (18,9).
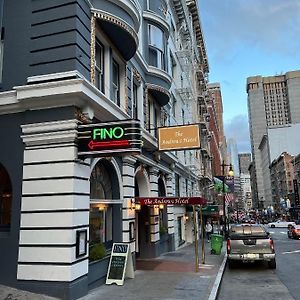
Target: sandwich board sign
(120,264)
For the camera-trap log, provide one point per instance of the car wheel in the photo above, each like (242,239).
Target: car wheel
(272,264)
(272,226)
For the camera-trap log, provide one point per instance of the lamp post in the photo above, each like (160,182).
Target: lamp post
(230,173)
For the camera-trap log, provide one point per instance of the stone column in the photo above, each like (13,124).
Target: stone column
(54,207)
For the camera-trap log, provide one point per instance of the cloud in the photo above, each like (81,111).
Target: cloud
(231,26)
(238,128)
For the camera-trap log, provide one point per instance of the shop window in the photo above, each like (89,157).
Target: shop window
(5,200)
(101,213)
(156,47)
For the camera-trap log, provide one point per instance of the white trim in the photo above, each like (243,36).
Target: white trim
(157,19)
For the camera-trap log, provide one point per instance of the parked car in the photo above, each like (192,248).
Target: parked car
(280,223)
(249,243)
(294,232)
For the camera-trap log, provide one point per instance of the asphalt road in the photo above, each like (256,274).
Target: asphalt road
(251,281)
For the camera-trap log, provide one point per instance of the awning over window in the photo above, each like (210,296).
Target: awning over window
(161,95)
(120,33)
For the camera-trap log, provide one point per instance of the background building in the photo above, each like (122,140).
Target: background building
(272,101)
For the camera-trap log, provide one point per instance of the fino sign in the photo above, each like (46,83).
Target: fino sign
(106,139)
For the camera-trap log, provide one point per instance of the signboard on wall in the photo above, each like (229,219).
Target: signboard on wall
(120,264)
(171,200)
(109,138)
(179,137)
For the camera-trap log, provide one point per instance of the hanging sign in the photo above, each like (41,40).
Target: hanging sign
(171,200)
(120,264)
(106,139)
(179,137)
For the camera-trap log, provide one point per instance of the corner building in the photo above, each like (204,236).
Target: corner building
(66,63)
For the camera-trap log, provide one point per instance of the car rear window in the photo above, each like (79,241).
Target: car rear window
(246,231)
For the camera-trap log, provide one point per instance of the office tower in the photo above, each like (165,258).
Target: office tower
(244,162)
(273,101)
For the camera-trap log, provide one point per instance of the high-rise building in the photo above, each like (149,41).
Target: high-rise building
(272,102)
(244,162)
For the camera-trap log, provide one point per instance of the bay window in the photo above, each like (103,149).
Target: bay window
(156,47)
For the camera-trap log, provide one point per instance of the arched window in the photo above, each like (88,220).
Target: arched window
(5,200)
(100,211)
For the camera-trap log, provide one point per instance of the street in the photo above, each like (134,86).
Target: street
(250,281)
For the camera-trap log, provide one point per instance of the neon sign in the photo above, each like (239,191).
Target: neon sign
(104,139)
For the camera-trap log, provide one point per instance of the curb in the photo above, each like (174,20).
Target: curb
(214,292)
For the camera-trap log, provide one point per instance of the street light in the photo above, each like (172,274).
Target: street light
(230,173)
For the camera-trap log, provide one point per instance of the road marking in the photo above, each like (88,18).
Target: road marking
(283,232)
(289,252)
(206,266)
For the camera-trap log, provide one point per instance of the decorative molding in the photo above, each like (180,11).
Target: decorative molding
(93,49)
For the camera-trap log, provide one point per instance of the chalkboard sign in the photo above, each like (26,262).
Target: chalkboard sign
(120,264)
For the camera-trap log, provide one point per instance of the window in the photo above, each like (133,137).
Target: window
(135,101)
(115,91)
(177,187)
(101,216)
(5,200)
(99,66)
(156,47)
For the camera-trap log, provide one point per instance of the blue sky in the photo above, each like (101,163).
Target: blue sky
(247,38)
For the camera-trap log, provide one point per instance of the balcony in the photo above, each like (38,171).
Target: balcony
(120,20)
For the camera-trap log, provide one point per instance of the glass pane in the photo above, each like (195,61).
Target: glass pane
(156,37)
(97,221)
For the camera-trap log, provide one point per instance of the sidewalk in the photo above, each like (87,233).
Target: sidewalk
(171,276)
(168,277)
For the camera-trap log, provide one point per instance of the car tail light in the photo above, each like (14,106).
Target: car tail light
(297,230)
(228,246)
(271,243)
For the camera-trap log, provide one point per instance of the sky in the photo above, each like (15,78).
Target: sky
(247,38)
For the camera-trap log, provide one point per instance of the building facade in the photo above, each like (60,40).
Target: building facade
(272,101)
(77,63)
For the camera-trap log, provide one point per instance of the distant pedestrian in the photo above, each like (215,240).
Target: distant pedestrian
(208,230)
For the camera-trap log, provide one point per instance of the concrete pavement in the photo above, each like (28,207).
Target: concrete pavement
(168,277)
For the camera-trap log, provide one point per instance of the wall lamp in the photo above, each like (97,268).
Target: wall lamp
(135,205)
(161,206)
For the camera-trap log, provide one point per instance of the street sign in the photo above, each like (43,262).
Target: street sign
(210,210)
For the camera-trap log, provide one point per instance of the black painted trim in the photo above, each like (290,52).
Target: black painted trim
(56,178)
(127,175)
(55,228)
(54,211)
(55,194)
(129,186)
(32,263)
(78,161)
(47,245)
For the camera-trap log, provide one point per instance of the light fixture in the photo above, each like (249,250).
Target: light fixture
(230,172)
(161,206)
(133,204)
(138,206)
(186,217)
